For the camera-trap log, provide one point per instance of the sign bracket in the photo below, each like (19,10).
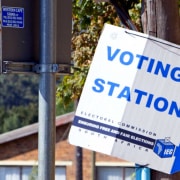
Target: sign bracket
(31,67)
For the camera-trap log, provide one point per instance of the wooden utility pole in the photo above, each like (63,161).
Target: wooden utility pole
(160,18)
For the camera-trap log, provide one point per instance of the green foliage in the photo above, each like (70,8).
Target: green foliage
(18,102)
(61,108)
(18,116)
(135,14)
(18,90)
(87,12)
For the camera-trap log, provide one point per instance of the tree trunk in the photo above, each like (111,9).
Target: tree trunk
(160,18)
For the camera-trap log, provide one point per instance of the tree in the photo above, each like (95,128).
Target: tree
(18,102)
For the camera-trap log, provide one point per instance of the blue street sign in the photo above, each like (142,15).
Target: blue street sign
(13,17)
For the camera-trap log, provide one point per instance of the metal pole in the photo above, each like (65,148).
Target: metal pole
(142,173)
(46,143)
(93,163)
(79,159)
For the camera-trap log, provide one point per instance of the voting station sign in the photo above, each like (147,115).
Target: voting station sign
(130,104)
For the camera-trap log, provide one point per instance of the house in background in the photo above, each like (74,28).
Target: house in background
(19,156)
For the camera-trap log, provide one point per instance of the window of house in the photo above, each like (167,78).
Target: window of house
(28,172)
(115,173)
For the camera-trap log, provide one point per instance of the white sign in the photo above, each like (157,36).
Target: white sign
(130,104)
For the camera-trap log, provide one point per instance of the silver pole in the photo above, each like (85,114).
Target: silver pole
(46,139)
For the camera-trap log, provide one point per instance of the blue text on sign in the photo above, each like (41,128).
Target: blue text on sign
(153,66)
(160,104)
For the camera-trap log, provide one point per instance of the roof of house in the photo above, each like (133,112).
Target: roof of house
(33,128)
